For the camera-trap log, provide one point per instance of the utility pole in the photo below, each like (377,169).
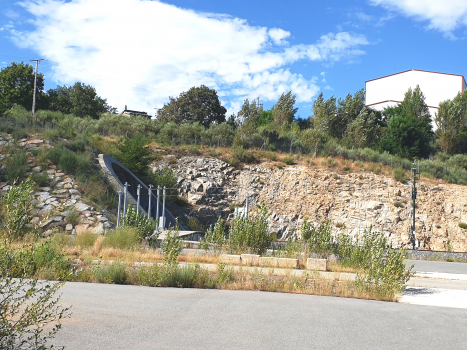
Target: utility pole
(35,88)
(414,172)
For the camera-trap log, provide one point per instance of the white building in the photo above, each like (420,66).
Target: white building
(389,91)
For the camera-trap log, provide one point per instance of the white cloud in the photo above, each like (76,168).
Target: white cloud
(140,52)
(445,16)
(278,35)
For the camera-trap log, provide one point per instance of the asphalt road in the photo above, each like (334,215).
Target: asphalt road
(438,266)
(135,317)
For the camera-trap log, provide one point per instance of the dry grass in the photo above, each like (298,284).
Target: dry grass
(203,259)
(311,284)
(337,267)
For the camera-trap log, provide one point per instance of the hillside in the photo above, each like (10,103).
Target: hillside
(320,189)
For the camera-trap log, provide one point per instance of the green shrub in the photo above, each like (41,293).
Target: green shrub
(16,205)
(40,179)
(398,174)
(331,162)
(193,149)
(171,247)
(215,237)
(463,225)
(54,154)
(17,166)
(114,274)
(194,225)
(250,233)
(168,178)
(288,160)
(235,162)
(243,155)
(86,239)
(72,217)
(122,238)
(79,143)
(271,156)
(68,162)
(146,227)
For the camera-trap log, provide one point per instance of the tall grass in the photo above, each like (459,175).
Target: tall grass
(122,238)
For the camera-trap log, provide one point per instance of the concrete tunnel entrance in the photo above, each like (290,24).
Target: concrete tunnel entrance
(117,174)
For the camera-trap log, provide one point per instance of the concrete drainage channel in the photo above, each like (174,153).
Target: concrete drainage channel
(117,175)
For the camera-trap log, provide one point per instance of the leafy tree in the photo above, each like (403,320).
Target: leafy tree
(79,99)
(364,130)
(248,117)
(333,117)
(16,207)
(348,110)
(168,178)
(284,111)
(323,114)
(30,313)
(17,86)
(451,123)
(265,118)
(409,131)
(135,155)
(199,104)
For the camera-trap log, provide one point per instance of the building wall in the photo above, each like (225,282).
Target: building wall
(436,87)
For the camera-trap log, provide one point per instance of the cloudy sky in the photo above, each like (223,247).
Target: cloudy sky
(138,53)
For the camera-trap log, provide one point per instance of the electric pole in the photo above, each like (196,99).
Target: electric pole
(35,88)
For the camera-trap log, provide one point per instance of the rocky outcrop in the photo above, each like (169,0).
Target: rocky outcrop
(62,206)
(357,201)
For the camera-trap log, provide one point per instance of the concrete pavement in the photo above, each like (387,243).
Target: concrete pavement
(134,317)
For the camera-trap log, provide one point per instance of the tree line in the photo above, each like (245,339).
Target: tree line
(197,116)
(17,87)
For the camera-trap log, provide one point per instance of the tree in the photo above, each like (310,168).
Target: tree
(28,307)
(333,117)
(79,99)
(199,104)
(409,131)
(323,114)
(135,155)
(364,130)
(348,110)
(284,111)
(17,86)
(451,123)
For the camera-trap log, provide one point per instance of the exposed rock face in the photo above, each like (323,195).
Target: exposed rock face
(356,200)
(55,208)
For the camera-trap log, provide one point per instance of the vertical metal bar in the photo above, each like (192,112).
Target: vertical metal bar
(125,198)
(158,217)
(138,197)
(150,197)
(163,208)
(119,207)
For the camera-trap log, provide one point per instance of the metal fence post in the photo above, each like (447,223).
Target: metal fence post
(163,208)
(150,197)
(120,192)
(138,195)
(158,217)
(125,198)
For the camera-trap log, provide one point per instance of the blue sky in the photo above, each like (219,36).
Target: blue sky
(138,53)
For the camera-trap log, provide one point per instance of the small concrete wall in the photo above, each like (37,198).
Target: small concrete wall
(250,259)
(279,262)
(231,259)
(316,264)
